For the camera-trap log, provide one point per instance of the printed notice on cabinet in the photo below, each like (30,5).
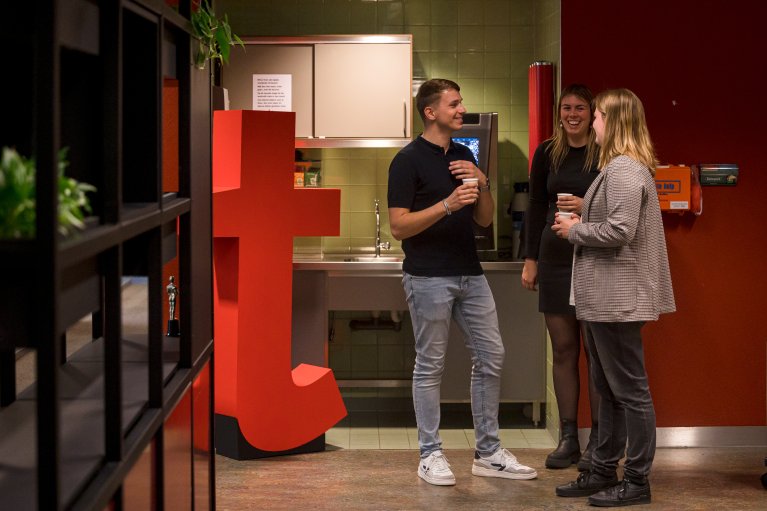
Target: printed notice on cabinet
(272,92)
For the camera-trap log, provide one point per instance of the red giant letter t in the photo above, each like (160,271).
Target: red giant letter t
(256,214)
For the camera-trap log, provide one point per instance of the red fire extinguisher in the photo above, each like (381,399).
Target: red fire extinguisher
(696,192)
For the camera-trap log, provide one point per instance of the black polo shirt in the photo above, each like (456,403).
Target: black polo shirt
(419,177)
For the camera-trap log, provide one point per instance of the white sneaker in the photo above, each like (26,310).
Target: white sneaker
(501,464)
(435,469)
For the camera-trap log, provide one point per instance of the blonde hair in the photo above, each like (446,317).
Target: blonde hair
(626,132)
(558,148)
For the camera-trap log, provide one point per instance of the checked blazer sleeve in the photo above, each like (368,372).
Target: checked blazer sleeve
(619,213)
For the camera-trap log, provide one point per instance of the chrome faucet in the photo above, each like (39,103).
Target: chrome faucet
(385,245)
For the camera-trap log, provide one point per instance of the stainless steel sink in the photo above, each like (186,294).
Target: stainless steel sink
(374,259)
(352,258)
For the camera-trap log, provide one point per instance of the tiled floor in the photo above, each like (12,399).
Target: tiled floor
(388,423)
(407,438)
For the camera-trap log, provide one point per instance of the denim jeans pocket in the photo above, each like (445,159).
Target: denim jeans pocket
(428,297)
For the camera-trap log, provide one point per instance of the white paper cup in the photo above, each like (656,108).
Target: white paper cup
(472,181)
(565,215)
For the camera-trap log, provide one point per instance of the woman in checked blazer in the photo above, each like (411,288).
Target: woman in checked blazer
(621,279)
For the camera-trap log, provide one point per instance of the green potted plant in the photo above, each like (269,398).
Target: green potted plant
(214,35)
(17,197)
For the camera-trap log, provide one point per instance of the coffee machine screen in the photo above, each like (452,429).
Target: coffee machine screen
(470,142)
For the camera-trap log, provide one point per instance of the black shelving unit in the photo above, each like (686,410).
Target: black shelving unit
(91,79)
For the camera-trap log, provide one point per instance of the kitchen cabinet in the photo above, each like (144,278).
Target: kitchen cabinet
(362,90)
(294,60)
(347,91)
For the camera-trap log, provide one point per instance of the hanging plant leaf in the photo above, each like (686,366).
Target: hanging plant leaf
(215,37)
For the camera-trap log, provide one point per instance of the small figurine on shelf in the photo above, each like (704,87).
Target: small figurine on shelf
(174,330)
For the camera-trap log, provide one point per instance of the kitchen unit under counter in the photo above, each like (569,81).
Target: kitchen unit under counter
(364,283)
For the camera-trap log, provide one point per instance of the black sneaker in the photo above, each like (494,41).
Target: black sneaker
(626,493)
(588,483)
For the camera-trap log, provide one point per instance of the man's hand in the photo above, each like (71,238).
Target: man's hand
(462,196)
(462,169)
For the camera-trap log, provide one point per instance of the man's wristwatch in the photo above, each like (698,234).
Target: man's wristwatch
(485,188)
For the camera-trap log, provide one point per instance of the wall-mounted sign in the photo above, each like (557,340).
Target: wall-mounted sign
(272,92)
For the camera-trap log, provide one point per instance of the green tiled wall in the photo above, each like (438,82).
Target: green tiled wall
(484,45)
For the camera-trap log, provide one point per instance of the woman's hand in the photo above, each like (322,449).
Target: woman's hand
(570,204)
(562,225)
(530,274)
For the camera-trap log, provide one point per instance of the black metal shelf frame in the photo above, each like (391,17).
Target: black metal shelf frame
(93,82)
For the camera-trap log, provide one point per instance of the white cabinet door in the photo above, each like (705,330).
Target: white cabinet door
(293,60)
(362,90)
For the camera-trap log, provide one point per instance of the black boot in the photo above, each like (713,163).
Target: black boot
(584,464)
(569,450)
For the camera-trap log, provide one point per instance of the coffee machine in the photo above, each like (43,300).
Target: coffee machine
(480,134)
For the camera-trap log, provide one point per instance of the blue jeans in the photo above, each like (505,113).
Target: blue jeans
(433,302)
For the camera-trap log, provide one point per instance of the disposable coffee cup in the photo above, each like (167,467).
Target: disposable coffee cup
(564,215)
(560,195)
(473,181)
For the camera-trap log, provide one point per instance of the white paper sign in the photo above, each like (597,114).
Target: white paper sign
(272,92)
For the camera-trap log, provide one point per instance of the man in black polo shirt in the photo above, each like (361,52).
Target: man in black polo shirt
(432,210)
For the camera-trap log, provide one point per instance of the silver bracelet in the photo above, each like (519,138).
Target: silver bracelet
(447,209)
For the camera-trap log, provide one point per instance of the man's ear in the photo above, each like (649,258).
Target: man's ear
(429,112)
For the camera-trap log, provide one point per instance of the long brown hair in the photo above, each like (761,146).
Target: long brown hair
(558,148)
(626,130)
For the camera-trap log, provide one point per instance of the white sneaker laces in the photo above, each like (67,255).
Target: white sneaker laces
(440,463)
(509,459)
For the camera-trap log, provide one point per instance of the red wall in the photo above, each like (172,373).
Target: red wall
(706,361)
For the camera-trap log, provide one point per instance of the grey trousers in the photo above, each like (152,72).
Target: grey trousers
(626,410)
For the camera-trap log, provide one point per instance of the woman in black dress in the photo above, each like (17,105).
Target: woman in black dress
(564,164)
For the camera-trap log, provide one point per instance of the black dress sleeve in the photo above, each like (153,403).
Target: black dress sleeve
(537,205)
